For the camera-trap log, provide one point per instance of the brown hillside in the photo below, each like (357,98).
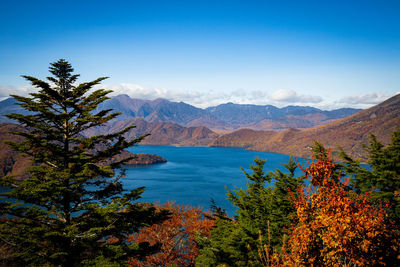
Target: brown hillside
(161,133)
(11,162)
(349,133)
(244,138)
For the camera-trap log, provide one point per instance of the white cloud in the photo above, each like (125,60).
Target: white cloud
(138,91)
(7,90)
(258,94)
(135,91)
(290,96)
(373,98)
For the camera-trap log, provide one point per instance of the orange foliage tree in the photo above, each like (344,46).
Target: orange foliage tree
(177,236)
(336,226)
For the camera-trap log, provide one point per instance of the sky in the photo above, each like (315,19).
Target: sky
(326,54)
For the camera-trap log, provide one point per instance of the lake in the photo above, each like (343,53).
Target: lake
(195,175)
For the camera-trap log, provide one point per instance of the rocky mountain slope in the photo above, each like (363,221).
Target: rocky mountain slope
(159,110)
(225,116)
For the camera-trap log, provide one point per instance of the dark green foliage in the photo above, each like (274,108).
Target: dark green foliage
(266,199)
(286,184)
(384,176)
(73,209)
(319,151)
(255,204)
(225,246)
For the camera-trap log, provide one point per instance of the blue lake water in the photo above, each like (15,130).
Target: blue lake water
(195,175)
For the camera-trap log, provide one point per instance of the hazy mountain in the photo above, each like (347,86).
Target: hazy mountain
(124,104)
(269,117)
(238,114)
(225,116)
(160,110)
(349,133)
(8,106)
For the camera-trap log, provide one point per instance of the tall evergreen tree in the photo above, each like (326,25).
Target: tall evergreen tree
(285,187)
(383,177)
(263,207)
(73,209)
(254,203)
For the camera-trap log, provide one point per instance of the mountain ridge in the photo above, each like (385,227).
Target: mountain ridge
(351,133)
(223,117)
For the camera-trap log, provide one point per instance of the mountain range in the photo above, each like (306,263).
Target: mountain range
(227,116)
(289,130)
(351,132)
(224,117)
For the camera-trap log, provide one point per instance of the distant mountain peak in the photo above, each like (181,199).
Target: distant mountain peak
(122,96)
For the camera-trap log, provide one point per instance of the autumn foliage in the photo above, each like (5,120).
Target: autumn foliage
(177,236)
(335,226)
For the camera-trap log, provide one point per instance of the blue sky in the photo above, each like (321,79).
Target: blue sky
(321,53)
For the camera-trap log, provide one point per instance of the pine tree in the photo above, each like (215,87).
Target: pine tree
(264,210)
(254,203)
(267,198)
(254,208)
(383,177)
(285,188)
(72,210)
